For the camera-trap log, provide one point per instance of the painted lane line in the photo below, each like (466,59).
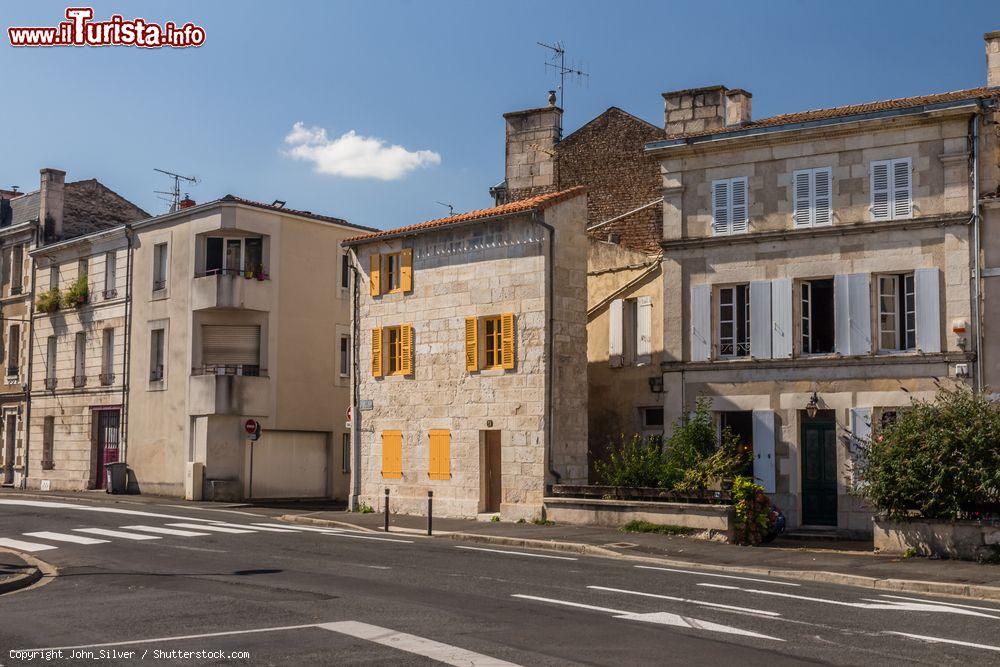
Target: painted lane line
(116,533)
(243,526)
(132,642)
(63,537)
(211,527)
(948,604)
(107,510)
(515,553)
(25,546)
(712,574)
(370,537)
(942,640)
(308,529)
(867,603)
(674,599)
(165,531)
(428,648)
(659,618)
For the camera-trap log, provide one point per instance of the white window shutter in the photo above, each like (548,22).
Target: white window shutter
(740,209)
(822,196)
(841,315)
(701,323)
(902,204)
(760,319)
(763,449)
(801,198)
(781,318)
(860,313)
(644,331)
(616,325)
(927,285)
(720,208)
(880,189)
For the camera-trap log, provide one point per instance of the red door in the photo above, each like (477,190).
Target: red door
(108,422)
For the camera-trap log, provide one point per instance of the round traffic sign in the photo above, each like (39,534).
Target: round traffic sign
(251,426)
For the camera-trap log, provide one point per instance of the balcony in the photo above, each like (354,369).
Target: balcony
(227,289)
(107,379)
(79,381)
(51,383)
(229,390)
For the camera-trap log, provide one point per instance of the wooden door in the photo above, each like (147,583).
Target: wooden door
(491,472)
(819,473)
(107,425)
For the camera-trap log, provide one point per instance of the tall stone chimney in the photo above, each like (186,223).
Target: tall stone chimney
(532,135)
(50,203)
(992,58)
(701,109)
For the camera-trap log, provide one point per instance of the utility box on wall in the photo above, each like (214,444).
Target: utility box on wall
(194,474)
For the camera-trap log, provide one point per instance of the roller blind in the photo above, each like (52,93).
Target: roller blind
(230,344)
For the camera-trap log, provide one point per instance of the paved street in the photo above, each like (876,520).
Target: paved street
(135,580)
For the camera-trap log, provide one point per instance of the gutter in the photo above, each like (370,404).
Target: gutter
(355,493)
(127,345)
(27,384)
(977,269)
(550,291)
(656,146)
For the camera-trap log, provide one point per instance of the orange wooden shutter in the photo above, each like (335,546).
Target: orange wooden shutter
(472,344)
(406,270)
(375,274)
(507,336)
(440,454)
(392,454)
(377,353)
(406,349)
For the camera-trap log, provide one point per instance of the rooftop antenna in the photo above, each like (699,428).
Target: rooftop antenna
(174,196)
(451,209)
(14,188)
(558,63)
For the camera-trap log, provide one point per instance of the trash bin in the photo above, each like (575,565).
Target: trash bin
(116,477)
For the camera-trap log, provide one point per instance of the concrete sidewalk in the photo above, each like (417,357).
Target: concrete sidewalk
(847,563)
(16,572)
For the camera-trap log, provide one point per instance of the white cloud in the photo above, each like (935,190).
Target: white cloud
(353,156)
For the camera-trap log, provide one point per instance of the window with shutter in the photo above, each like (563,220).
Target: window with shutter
(812,195)
(471,344)
(880,189)
(230,345)
(644,331)
(897,312)
(406,350)
(615,330)
(376,353)
(406,270)
(781,318)
(740,208)
(902,206)
(701,322)
(507,340)
(720,208)
(802,198)
(928,315)
(734,321)
(730,206)
(440,454)
(375,274)
(392,454)
(761,324)
(892,189)
(822,196)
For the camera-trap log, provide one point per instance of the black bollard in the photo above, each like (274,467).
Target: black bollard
(386,506)
(430,510)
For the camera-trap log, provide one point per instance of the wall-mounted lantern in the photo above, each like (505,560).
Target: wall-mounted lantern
(812,407)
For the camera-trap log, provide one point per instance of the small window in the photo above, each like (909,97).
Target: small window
(345,271)
(812,197)
(897,313)
(652,419)
(345,356)
(394,349)
(54,277)
(48,443)
(17,269)
(734,321)
(891,189)
(50,362)
(345,453)
(110,275)
(213,255)
(13,350)
(818,333)
(490,342)
(80,360)
(730,206)
(493,342)
(160,262)
(83,268)
(108,357)
(393,272)
(156,355)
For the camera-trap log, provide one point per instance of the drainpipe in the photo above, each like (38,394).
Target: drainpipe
(355,388)
(550,288)
(126,345)
(977,268)
(27,384)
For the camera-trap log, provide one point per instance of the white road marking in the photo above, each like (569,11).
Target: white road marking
(25,546)
(86,508)
(309,529)
(165,531)
(243,526)
(867,603)
(516,553)
(660,617)
(712,574)
(116,533)
(942,640)
(63,537)
(428,648)
(949,604)
(369,537)
(674,599)
(211,527)
(174,638)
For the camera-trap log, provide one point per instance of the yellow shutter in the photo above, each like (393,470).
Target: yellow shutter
(472,344)
(375,274)
(507,335)
(440,455)
(406,270)
(392,454)
(377,353)
(406,349)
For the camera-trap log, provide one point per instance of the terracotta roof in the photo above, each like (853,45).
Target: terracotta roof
(850,110)
(285,209)
(538,203)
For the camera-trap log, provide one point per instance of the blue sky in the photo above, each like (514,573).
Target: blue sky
(433,78)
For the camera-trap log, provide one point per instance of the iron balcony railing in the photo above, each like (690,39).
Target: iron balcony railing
(159,284)
(258,274)
(156,374)
(13,371)
(79,381)
(246,370)
(107,378)
(110,294)
(50,383)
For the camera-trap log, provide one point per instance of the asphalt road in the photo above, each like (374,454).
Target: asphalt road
(306,597)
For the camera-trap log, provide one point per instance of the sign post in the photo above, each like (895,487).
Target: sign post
(252,428)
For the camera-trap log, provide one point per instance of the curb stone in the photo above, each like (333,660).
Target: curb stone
(38,570)
(976,591)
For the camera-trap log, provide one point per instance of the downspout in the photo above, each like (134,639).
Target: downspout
(355,389)
(27,383)
(976,264)
(126,344)
(550,289)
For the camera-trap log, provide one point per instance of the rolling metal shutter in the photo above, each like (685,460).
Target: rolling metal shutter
(230,344)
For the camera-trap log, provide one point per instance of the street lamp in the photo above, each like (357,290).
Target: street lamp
(812,407)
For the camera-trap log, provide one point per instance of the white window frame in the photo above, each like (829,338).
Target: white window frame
(904,287)
(51,352)
(54,277)
(892,205)
(161,263)
(157,383)
(79,358)
(730,225)
(736,345)
(108,354)
(110,274)
(812,215)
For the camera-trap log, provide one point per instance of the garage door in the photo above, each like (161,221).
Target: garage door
(289,464)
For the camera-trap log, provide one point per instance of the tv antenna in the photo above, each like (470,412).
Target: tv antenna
(558,63)
(173,197)
(451,209)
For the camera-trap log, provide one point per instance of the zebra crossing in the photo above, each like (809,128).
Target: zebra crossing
(47,540)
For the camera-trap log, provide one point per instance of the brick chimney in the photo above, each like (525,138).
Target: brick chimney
(187,202)
(700,109)
(532,135)
(50,202)
(992,58)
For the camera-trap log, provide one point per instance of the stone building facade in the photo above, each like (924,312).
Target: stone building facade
(471,359)
(819,273)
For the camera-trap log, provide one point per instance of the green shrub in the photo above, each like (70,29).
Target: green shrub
(941,459)
(754,514)
(639,526)
(77,293)
(636,462)
(365,508)
(48,301)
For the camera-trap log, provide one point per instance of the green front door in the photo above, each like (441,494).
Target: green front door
(819,473)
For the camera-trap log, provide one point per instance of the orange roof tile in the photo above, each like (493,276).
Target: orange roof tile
(538,203)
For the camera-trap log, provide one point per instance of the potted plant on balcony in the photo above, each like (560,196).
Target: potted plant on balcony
(260,272)
(48,301)
(77,293)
